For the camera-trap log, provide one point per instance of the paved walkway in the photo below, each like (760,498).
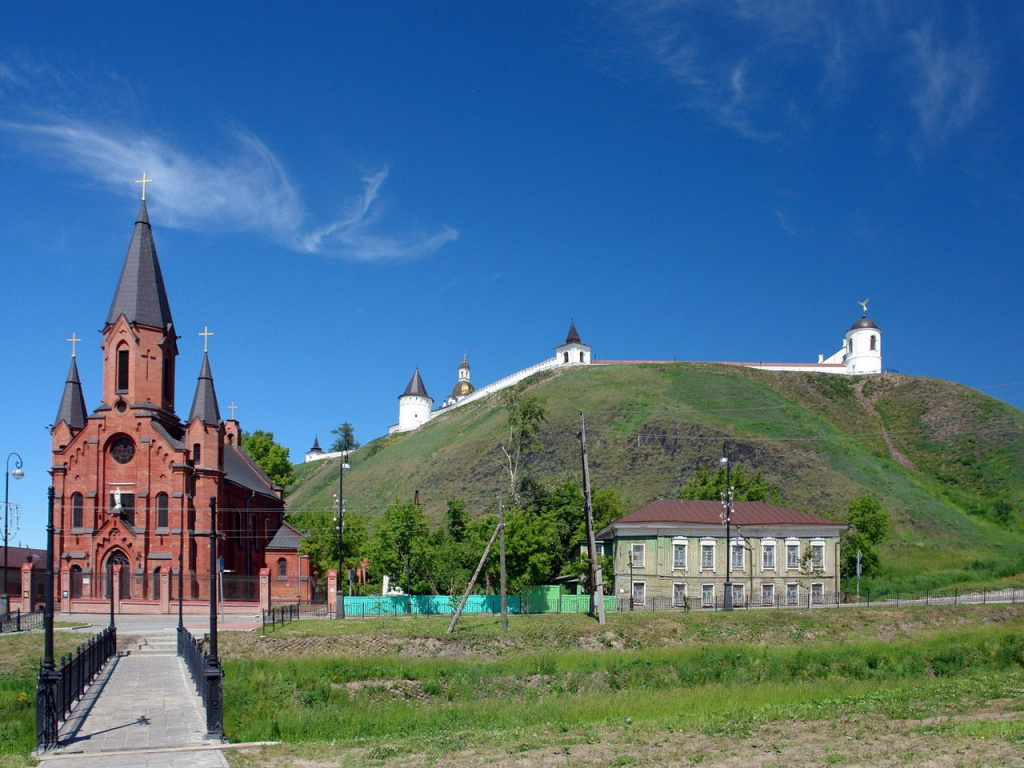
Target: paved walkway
(142,712)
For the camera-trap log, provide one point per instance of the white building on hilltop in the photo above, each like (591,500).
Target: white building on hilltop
(860,354)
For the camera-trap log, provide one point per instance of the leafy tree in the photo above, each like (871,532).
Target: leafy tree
(346,438)
(457,517)
(525,414)
(321,543)
(709,486)
(271,457)
(869,526)
(401,540)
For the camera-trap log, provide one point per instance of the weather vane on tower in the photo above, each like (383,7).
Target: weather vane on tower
(864,306)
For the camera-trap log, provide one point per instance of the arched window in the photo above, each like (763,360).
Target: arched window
(239,533)
(122,369)
(161,511)
(154,593)
(76,581)
(77,511)
(565,357)
(581,357)
(196,452)
(282,568)
(117,557)
(168,378)
(874,342)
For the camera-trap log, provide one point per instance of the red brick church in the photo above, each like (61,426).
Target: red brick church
(133,481)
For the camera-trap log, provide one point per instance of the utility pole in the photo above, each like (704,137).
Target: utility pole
(472,582)
(596,577)
(501,551)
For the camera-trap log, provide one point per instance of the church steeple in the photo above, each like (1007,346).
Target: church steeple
(204,404)
(140,295)
(72,402)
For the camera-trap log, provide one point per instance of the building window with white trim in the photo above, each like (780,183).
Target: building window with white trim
(737,563)
(792,594)
(737,594)
(707,595)
(767,595)
(679,555)
(678,594)
(792,554)
(817,593)
(707,556)
(638,551)
(639,594)
(768,555)
(818,555)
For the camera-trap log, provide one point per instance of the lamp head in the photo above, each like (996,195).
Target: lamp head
(18,473)
(723,461)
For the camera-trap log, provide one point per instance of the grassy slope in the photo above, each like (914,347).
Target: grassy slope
(821,438)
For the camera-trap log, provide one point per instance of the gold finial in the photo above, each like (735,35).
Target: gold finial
(74,340)
(232,408)
(206,334)
(144,181)
(864,306)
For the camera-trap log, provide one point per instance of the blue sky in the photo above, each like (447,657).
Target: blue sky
(344,192)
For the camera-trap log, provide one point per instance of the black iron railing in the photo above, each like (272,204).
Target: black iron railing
(16,621)
(207,676)
(67,684)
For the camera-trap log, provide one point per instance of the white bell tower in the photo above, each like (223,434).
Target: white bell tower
(863,346)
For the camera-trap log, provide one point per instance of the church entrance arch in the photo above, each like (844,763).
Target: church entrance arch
(117,557)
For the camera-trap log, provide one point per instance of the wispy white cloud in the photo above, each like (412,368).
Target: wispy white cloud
(951,82)
(784,221)
(243,186)
(763,69)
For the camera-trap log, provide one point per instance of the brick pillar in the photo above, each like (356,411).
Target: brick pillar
(165,590)
(26,588)
(332,592)
(115,587)
(264,589)
(65,589)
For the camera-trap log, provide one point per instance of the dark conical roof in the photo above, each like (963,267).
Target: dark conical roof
(140,295)
(572,337)
(316,445)
(204,404)
(415,386)
(72,402)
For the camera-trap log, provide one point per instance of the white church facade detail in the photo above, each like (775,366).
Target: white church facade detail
(860,354)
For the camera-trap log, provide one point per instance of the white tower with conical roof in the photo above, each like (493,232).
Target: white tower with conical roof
(414,405)
(863,346)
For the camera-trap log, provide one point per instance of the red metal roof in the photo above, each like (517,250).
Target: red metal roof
(18,556)
(710,513)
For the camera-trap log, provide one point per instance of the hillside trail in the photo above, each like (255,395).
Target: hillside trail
(894,453)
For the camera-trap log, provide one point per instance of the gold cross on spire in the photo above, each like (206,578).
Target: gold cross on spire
(144,181)
(74,340)
(232,408)
(864,306)
(206,334)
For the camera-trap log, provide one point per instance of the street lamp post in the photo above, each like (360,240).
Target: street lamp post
(631,578)
(18,474)
(727,514)
(339,592)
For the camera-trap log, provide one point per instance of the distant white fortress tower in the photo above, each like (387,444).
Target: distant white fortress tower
(860,354)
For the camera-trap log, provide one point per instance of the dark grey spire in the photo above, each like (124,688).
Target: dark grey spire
(415,386)
(140,295)
(316,446)
(572,337)
(204,404)
(72,403)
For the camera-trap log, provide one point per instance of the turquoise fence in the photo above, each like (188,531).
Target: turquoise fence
(427,605)
(551,600)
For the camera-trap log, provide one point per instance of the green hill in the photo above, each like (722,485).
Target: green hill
(947,461)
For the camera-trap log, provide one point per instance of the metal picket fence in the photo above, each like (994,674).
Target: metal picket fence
(16,621)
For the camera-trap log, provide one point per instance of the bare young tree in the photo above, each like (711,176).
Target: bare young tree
(525,414)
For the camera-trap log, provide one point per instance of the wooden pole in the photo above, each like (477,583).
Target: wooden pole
(596,577)
(501,550)
(472,582)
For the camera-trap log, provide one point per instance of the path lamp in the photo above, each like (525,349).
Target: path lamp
(727,515)
(214,672)
(17,474)
(49,677)
(339,594)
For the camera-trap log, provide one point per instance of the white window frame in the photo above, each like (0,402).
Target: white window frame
(633,545)
(679,542)
(738,544)
(675,586)
(737,593)
(793,586)
(817,545)
(712,544)
(642,587)
(790,545)
(707,591)
(820,589)
(768,545)
(768,589)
